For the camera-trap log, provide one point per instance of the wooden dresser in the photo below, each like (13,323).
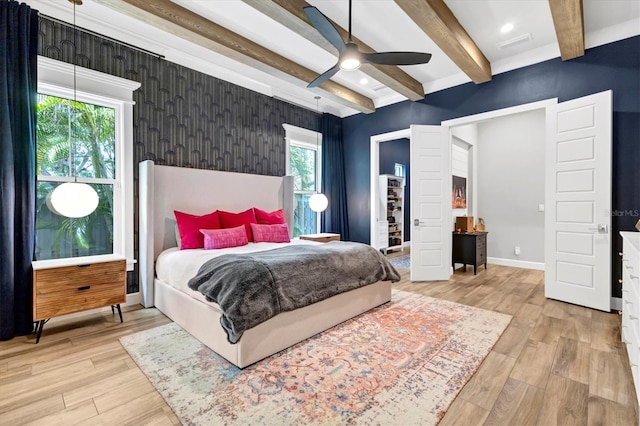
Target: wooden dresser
(60,289)
(630,333)
(469,249)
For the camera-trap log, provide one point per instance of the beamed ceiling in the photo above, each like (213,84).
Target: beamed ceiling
(270,46)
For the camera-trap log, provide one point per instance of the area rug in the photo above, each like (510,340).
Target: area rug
(401,363)
(401,261)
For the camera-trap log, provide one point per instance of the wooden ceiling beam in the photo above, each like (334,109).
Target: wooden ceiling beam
(290,14)
(568,19)
(438,22)
(190,26)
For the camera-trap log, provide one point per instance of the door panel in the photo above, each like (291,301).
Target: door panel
(578,196)
(430,206)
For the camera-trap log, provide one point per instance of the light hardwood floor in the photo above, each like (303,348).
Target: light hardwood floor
(555,364)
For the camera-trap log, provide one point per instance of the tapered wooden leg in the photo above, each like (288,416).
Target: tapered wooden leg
(39,327)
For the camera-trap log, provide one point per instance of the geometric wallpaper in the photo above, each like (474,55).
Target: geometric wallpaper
(183,117)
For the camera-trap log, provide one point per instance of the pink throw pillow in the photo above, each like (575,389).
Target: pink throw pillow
(223,238)
(269,218)
(189,228)
(276,233)
(232,220)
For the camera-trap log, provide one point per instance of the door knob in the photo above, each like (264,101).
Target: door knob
(602,228)
(417,222)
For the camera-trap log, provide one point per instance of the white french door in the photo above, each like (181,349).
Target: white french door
(430,203)
(578,200)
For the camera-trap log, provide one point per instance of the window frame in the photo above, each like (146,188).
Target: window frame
(308,139)
(57,78)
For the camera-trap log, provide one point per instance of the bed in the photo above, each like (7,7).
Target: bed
(164,189)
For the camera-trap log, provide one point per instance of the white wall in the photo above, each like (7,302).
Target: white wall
(510,153)
(463,160)
(460,167)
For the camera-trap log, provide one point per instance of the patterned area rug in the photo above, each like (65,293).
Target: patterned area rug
(401,363)
(401,261)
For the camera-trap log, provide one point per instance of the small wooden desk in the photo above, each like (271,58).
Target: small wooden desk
(323,237)
(469,249)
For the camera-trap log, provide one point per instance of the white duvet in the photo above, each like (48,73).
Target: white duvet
(176,267)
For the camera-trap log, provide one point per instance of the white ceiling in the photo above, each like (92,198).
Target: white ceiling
(380,23)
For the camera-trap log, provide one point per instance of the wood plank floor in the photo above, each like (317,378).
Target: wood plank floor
(556,364)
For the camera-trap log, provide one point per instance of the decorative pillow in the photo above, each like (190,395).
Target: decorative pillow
(276,233)
(269,218)
(189,227)
(223,238)
(231,220)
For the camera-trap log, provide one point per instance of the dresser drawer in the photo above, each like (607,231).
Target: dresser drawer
(68,289)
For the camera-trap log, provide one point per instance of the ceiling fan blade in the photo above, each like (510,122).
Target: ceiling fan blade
(397,58)
(324,27)
(324,76)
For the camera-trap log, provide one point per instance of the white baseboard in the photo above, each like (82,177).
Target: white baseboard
(134,299)
(516,263)
(616,303)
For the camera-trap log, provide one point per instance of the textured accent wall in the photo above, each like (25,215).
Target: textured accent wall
(183,117)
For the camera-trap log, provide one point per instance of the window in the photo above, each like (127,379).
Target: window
(304,163)
(84,135)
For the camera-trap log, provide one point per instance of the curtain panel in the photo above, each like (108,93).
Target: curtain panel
(18,98)
(334,219)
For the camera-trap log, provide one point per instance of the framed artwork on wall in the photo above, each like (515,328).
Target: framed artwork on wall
(459,193)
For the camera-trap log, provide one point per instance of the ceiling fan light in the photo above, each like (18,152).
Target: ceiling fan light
(73,199)
(349,64)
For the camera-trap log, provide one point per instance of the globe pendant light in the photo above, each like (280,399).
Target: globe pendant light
(318,202)
(73,199)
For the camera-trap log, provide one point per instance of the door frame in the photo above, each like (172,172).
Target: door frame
(374,166)
(376,140)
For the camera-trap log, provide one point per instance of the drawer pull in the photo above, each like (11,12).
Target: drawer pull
(620,281)
(632,317)
(628,302)
(84,266)
(84,287)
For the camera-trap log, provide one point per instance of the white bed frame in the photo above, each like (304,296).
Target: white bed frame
(164,189)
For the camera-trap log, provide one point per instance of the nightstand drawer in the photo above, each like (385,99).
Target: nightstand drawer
(68,289)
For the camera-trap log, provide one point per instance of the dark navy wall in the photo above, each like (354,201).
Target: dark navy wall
(614,66)
(392,152)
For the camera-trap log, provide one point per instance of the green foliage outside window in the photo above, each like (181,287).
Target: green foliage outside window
(303,169)
(74,139)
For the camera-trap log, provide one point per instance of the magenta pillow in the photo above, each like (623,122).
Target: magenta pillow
(223,238)
(189,227)
(232,220)
(276,233)
(269,218)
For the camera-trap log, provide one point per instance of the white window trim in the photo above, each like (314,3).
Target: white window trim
(57,79)
(297,136)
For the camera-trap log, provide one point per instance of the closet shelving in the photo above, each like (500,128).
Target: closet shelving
(392,202)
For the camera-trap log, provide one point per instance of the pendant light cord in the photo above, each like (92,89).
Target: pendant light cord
(72,142)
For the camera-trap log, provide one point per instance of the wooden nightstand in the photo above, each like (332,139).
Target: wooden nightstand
(63,288)
(323,237)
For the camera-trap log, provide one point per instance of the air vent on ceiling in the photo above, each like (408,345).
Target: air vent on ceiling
(513,41)
(378,87)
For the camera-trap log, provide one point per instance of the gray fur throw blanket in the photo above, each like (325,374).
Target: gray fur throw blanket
(251,288)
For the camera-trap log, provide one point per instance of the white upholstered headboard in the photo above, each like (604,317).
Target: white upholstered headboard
(164,189)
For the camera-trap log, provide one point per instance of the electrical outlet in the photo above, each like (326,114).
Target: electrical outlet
(517,250)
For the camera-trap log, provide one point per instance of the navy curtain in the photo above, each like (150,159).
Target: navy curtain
(18,97)
(334,219)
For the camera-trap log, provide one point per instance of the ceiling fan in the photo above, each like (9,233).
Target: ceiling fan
(350,57)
